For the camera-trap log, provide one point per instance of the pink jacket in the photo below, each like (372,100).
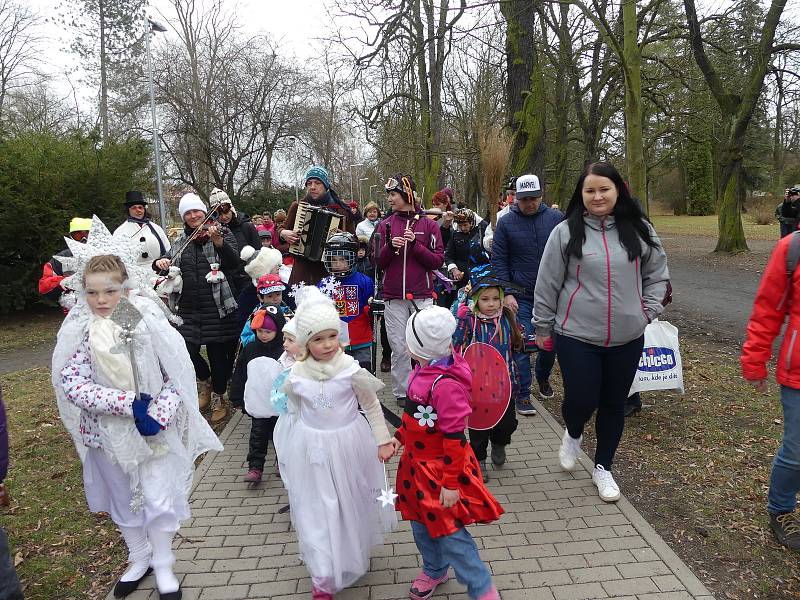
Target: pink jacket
(423,256)
(450,395)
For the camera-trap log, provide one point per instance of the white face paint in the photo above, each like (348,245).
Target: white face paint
(103,291)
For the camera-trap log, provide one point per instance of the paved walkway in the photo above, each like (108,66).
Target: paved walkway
(557,539)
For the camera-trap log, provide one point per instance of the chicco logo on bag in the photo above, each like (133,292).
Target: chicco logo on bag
(657,359)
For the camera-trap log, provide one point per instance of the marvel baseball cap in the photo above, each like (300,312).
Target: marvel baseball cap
(528,187)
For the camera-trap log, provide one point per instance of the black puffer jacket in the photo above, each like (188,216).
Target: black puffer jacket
(201,321)
(246,235)
(465,250)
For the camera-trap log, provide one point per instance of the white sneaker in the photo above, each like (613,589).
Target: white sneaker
(606,486)
(569,451)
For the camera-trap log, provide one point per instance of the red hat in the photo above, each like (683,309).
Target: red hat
(269,283)
(353,204)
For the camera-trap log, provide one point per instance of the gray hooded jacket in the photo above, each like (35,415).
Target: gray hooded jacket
(602,298)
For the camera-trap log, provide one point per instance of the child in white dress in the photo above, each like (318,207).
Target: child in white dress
(329,460)
(138,453)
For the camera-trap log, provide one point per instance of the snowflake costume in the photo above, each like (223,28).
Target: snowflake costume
(142,482)
(328,457)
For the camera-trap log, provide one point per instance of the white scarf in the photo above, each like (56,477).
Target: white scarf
(311,368)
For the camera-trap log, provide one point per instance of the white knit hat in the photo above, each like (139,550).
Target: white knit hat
(189,202)
(429,332)
(217,197)
(315,312)
(260,262)
(290,328)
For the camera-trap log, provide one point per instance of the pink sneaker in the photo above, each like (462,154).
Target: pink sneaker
(318,594)
(253,476)
(492,594)
(424,586)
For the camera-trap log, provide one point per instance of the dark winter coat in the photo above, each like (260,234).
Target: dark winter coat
(201,321)
(254,349)
(519,244)
(465,250)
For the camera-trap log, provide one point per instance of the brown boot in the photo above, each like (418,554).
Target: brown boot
(204,393)
(219,407)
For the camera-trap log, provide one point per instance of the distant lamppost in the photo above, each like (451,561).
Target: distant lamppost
(361,191)
(293,140)
(351,177)
(154,27)
(370,191)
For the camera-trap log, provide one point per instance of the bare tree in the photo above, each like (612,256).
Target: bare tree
(19,48)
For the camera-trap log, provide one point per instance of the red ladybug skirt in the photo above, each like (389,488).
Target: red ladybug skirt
(419,482)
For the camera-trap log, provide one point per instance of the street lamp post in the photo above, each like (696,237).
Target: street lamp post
(293,139)
(361,191)
(370,191)
(152,28)
(351,177)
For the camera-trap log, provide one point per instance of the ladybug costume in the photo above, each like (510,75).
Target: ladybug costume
(437,454)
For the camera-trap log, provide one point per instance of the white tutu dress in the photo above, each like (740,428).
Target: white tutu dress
(329,464)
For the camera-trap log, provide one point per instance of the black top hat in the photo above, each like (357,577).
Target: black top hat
(133,198)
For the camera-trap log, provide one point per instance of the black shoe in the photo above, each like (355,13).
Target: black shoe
(632,409)
(546,390)
(786,527)
(386,366)
(126,588)
(498,455)
(171,595)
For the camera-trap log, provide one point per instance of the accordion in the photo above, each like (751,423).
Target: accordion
(315,225)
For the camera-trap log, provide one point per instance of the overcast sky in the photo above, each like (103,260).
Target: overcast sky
(290,21)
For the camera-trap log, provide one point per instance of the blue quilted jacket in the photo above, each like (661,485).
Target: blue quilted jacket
(519,244)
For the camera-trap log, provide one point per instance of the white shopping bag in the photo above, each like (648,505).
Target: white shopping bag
(261,373)
(660,365)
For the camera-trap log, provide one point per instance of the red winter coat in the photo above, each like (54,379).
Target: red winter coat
(774,300)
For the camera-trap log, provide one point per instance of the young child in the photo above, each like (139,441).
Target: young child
(329,461)
(438,479)
(138,453)
(484,319)
(269,291)
(267,324)
(351,292)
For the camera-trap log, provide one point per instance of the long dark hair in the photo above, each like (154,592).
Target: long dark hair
(630,220)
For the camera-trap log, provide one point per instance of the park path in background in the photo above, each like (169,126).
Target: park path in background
(556,541)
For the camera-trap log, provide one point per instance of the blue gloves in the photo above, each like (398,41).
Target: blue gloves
(145,424)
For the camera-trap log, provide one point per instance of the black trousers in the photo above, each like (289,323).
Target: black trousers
(260,437)
(9,583)
(386,349)
(597,378)
(220,362)
(499,435)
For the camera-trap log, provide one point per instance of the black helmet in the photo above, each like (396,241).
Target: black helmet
(342,245)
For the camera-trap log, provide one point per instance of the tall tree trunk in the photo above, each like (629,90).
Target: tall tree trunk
(525,92)
(737,108)
(634,115)
(557,189)
(270,150)
(103,72)
(777,138)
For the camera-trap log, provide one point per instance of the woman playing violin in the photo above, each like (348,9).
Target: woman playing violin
(207,303)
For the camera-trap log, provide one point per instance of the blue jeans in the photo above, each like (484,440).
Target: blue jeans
(784,481)
(457,550)
(544,360)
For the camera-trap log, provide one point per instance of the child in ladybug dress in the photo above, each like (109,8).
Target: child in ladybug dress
(439,482)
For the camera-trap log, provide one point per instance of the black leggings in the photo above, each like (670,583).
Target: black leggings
(500,434)
(597,378)
(260,437)
(386,349)
(220,357)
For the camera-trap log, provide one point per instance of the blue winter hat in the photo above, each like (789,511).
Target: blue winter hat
(320,173)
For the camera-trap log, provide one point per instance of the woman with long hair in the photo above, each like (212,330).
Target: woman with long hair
(602,279)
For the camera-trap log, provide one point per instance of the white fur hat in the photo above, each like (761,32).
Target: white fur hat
(429,332)
(315,312)
(290,328)
(189,202)
(217,197)
(260,262)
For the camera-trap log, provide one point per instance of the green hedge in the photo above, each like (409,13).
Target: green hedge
(45,180)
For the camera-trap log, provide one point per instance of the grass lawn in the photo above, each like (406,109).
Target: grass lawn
(707,226)
(62,550)
(28,329)
(697,467)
